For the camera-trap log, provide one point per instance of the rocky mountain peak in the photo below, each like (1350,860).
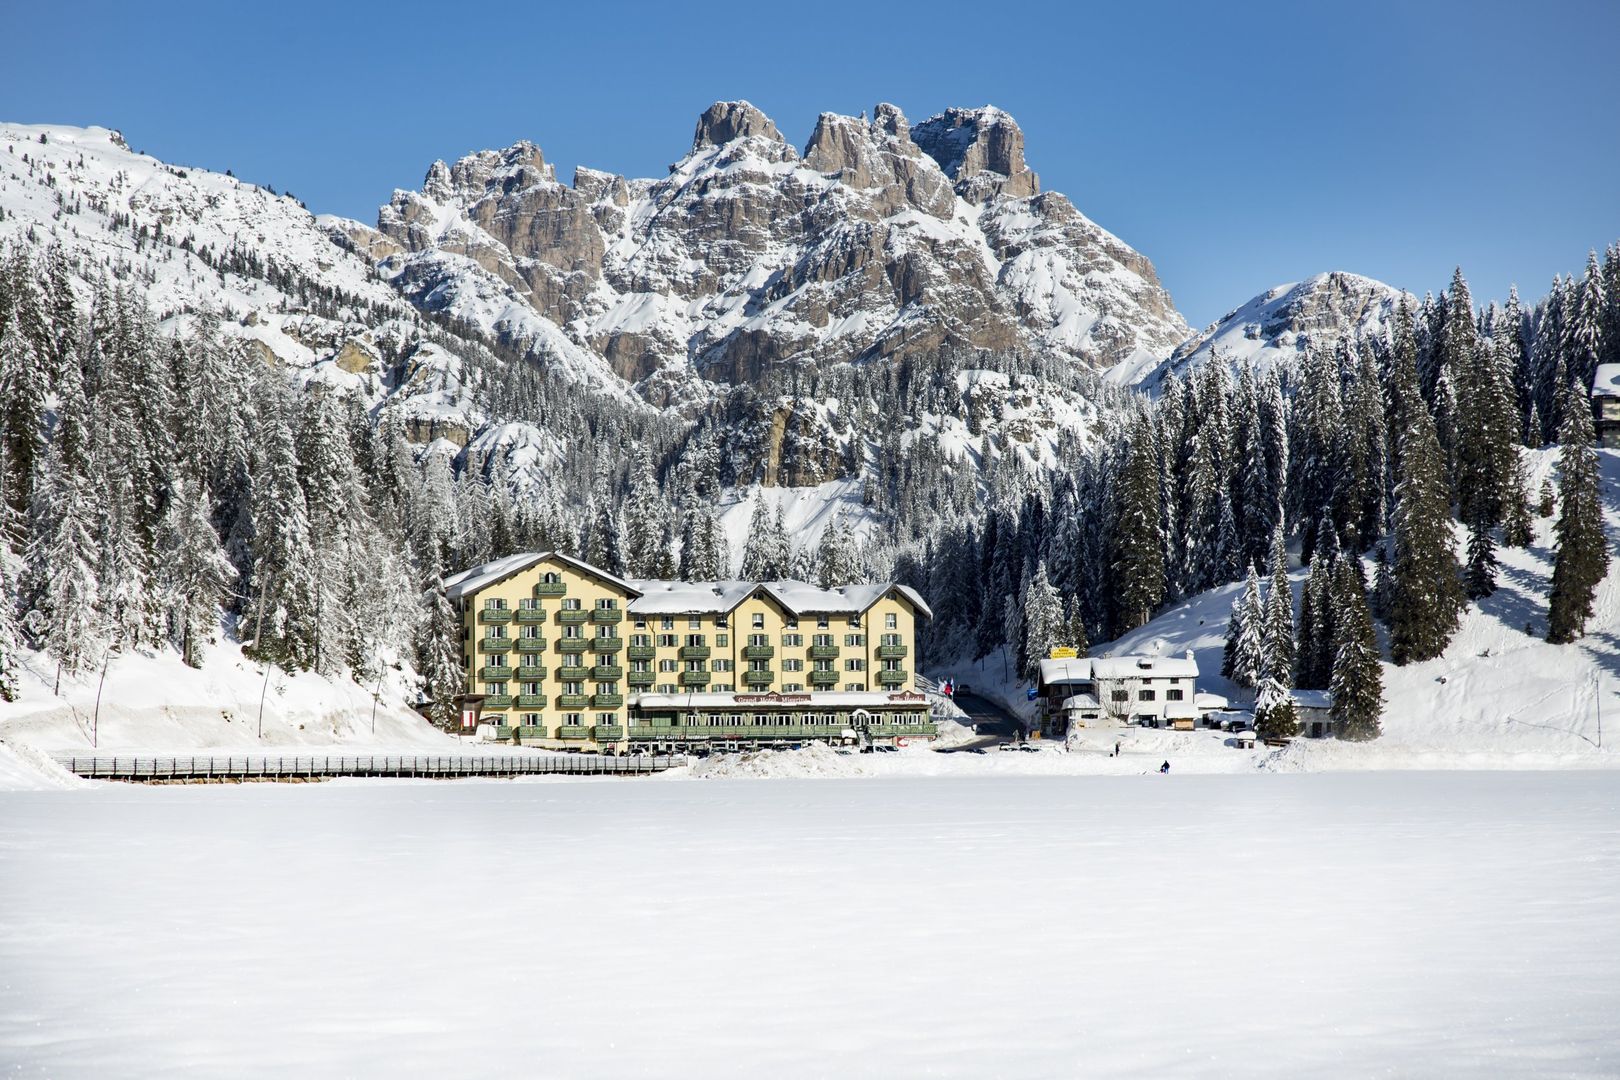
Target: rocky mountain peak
(727,121)
(982,150)
(879,154)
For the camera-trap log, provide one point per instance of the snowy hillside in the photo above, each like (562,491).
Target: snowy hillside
(1275,328)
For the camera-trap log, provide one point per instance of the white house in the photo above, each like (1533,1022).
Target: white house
(1110,691)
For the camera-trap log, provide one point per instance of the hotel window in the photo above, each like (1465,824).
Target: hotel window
(668,641)
(791,622)
(855,687)
(758,620)
(822,622)
(667,666)
(722,621)
(694,665)
(551,577)
(757,665)
(666,623)
(722,665)
(1147,695)
(722,641)
(607,631)
(638,640)
(497,659)
(532,688)
(891,621)
(571,604)
(759,639)
(724,688)
(696,639)
(1175,695)
(822,639)
(530,659)
(792,687)
(667,688)
(573,630)
(493,604)
(531,631)
(496,689)
(605,719)
(641,622)
(531,719)
(855,664)
(891,665)
(792,641)
(891,639)
(573,688)
(823,665)
(607,688)
(573,719)
(607,604)
(855,620)
(694,623)
(854,641)
(528,603)
(792,664)
(641,665)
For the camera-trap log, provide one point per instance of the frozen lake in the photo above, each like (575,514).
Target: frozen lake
(1278,925)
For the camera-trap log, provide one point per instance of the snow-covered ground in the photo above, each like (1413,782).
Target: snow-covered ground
(1406,924)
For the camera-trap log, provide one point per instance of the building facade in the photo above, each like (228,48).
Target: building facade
(1606,404)
(567,654)
(1111,691)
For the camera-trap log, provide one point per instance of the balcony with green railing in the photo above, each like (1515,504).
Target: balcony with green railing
(572,617)
(609,732)
(607,701)
(823,652)
(572,701)
(571,645)
(694,652)
(758,652)
(497,701)
(494,616)
(893,678)
(573,673)
(530,615)
(495,644)
(607,644)
(759,678)
(607,673)
(528,672)
(641,652)
(493,671)
(550,588)
(573,731)
(530,644)
(694,678)
(531,701)
(891,652)
(640,678)
(823,678)
(606,615)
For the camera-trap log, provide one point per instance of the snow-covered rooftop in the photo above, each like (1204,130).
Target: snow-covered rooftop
(470,581)
(1606,383)
(1312,699)
(1087,668)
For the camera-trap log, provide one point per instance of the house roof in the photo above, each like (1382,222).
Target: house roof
(1081,701)
(657,597)
(1312,699)
(1606,382)
(468,582)
(1089,668)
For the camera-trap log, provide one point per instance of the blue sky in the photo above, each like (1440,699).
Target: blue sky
(1238,146)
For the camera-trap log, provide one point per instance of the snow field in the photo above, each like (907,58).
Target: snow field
(1290,926)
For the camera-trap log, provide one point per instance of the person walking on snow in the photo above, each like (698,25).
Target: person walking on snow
(1165,767)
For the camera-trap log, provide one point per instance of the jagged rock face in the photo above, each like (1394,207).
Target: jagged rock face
(1281,324)
(882,239)
(982,150)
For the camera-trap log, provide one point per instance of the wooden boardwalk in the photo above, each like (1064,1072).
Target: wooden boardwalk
(162,768)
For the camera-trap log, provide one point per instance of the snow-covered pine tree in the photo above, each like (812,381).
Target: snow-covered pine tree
(1427,599)
(1139,557)
(1245,659)
(762,551)
(10,631)
(1516,523)
(279,618)
(644,524)
(836,563)
(1275,716)
(23,390)
(1582,346)
(191,577)
(1043,620)
(1582,558)
(438,655)
(1073,634)
(65,546)
(1479,577)
(1357,679)
(1278,633)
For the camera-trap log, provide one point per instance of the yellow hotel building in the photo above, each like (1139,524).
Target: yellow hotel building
(562,654)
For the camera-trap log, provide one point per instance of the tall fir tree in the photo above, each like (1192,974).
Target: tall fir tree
(1582,559)
(191,576)
(1042,622)
(1278,634)
(438,655)
(1427,598)
(1357,679)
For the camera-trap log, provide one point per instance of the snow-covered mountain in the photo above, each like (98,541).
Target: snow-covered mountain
(1281,324)
(191,241)
(880,239)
